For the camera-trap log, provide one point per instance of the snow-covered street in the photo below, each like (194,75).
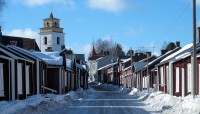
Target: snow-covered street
(103,99)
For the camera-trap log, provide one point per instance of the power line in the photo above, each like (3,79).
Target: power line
(175,22)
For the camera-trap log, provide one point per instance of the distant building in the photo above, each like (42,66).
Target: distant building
(51,35)
(26,43)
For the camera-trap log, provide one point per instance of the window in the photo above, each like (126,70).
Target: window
(161,76)
(177,79)
(58,40)
(27,80)
(189,77)
(19,78)
(47,24)
(1,80)
(55,24)
(45,40)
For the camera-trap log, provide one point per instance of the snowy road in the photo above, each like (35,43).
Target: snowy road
(103,101)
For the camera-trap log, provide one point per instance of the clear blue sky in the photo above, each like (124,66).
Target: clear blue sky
(133,23)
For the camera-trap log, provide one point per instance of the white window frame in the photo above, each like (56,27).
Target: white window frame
(189,74)
(161,76)
(183,81)
(167,77)
(1,80)
(19,78)
(177,79)
(27,79)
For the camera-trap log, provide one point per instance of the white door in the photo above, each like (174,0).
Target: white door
(19,78)
(27,80)
(1,80)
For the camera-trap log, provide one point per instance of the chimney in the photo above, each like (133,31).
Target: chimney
(148,54)
(178,44)
(163,52)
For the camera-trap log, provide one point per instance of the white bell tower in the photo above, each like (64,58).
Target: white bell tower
(52,37)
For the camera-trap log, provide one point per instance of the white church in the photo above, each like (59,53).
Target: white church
(52,37)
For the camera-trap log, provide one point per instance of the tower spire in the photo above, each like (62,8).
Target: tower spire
(51,14)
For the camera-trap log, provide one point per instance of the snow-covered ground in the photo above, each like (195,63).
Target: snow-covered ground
(159,102)
(104,98)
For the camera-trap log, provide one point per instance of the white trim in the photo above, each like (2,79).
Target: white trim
(171,78)
(1,80)
(27,79)
(177,79)
(167,77)
(162,76)
(19,78)
(183,82)
(189,74)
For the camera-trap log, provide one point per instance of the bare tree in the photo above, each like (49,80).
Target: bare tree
(108,46)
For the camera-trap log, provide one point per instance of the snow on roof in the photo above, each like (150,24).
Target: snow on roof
(182,56)
(178,52)
(127,68)
(23,50)
(161,56)
(107,66)
(139,65)
(52,58)
(84,66)
(126,60)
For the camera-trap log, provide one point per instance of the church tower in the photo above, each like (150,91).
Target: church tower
(51,35)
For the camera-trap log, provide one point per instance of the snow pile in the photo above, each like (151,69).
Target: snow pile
(79,93)
(133,91)
(112,87)
(160,102)
(7,107)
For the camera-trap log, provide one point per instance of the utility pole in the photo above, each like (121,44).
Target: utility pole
(194,51)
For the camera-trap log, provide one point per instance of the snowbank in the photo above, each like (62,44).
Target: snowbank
(160,102)
(39,103)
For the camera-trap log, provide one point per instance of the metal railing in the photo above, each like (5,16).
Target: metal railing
(49,89)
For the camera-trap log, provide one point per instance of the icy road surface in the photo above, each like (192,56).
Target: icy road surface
(103,101)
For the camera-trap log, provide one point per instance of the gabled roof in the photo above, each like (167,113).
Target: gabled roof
(105,61)
(107,66)
(139,65)
(182,50)
(160,58)
(80,57)
(20,56)
(186,51)
(51,58)
(24,51)
(26,43)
